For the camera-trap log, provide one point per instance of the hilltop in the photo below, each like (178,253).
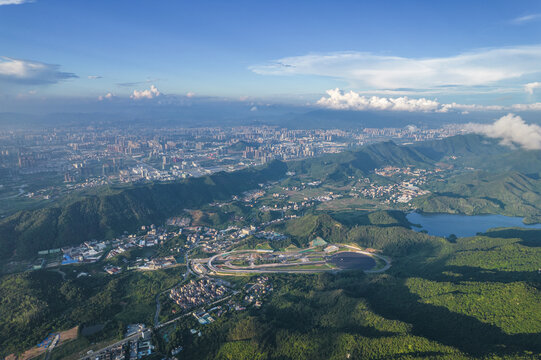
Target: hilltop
(508,193)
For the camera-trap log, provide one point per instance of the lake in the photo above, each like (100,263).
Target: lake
(463,225)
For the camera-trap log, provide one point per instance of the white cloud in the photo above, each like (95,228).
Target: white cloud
(14,2)
(190,94)
(31,72)
(466,108)
(511,130)
(476,68)
(253,108)
(94,77)
(527,107)
(351,100)
(529,88)
(526,18)
(107,96)
(146,94)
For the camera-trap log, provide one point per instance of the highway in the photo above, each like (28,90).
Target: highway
(94,354)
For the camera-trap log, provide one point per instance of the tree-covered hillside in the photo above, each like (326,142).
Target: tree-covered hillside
(34,303)
(510,193)
(112,211)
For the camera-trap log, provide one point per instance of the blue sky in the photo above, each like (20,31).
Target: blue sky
(482,53)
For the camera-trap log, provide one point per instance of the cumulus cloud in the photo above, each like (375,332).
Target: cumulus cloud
(472,69)
(107,96)
(351,100)
(529,88)
(14,2)
(146,94)
(512,131)
(31,72)
(339,100)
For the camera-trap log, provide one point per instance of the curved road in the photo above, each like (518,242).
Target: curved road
(260,270)
(386,260)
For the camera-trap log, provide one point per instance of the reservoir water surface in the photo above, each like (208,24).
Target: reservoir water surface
(463,225)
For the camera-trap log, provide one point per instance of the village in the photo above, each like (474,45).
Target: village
(196,293)
(93,251)
(403,191)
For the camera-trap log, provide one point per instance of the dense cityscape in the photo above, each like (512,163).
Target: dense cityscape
(39,166)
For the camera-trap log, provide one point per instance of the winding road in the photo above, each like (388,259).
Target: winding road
(184,276)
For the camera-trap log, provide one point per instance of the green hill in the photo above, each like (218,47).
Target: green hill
(509,193)
(470,145)
(111,212)
(388,153)
(312,226)
(385,230)
(507,181)
(470,148)
(361,162)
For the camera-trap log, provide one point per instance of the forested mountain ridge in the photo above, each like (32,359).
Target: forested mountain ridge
(460,145)
(111,212)
(480,192)
(426,154)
